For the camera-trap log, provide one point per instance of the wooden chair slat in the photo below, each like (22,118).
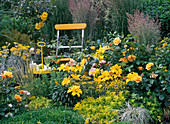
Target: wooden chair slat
(70,26)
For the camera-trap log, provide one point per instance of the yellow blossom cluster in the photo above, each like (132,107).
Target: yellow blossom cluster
(7,74)
(133,76)
(5,50)
(99,53)
(103,109)
(75,90)
(149,65)
(43,18)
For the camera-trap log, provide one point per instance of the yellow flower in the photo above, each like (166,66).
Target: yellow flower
(8,74)
(62,67)
(92,47)
(66,81)
(56,82)
(116,41)
(123,59)
(164,45)
(131,77)
(83,62)
(44,16)
(137,79)
(13,49)
(41,24)
(78,68)
(75,76)
(37,26)
(3,47)
(149,65)
(75,90)
(131,58)
(116,71)
(1,53)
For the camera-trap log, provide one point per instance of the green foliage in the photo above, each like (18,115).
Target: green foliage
(61,97)
(7,87)
(15,36)
(39,103)
(159,9)
(116,13)
(58,115)
(150,102)
(103,109)
(59,92)
(42,85)
(10,103)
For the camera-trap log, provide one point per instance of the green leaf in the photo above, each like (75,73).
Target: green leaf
(161,97)
(168,89)
(137,62)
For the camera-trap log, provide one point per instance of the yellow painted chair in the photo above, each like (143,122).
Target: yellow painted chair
(77,26)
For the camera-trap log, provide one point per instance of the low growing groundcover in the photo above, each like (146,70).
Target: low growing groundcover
(56,115)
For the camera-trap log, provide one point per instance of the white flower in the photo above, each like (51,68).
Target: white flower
(10,105)
(9,114)
(103,62)
(26,106)
(32,49)
(27,93)
(6,115)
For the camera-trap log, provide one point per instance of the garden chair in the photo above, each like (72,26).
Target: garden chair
(77,26)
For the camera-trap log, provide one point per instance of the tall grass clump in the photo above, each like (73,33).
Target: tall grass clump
(22,72)
(145,28)
(116,13)
(86,11)
(135,115)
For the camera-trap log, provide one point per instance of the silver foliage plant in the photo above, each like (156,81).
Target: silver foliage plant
(135,115)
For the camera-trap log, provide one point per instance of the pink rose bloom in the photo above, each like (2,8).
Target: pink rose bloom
(103,62)
(91,71)
(72,62)
(94,65)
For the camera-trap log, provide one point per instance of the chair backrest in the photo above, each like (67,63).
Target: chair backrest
(77,26)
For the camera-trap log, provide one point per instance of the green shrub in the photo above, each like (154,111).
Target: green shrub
(39,103)
(43,85)
(12,101)
(103,109)
(58,115)
(159,9)
(150,102)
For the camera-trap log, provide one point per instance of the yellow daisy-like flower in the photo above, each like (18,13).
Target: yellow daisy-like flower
(44,16)
(37,26)
(3,47)
(41,24)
